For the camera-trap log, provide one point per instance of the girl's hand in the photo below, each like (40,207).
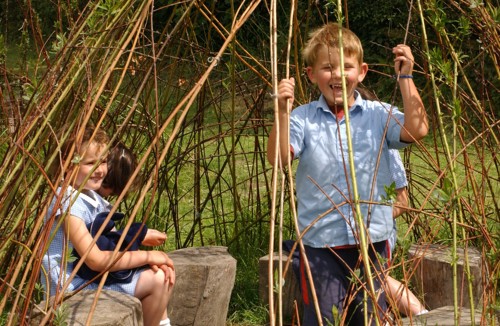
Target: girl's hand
(404,60)
(154,238)
(169,274)
(168,271)
(158,258)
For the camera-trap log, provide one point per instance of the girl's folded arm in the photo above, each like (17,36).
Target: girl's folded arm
(98,260)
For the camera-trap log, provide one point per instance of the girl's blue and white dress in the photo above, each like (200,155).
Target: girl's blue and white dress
(56,270)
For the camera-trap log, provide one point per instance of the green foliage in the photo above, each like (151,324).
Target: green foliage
(445,194)
(39,292)
(495,14)
(379,25)
(3,50)
(70,257)
(61,315)
(390,193)
(58,43)
(337,318)
(444,68)
(249,314)
(11,20)
(244,307)
(356,276)
(45,14)
(206,175)
(464,26)
(3,319)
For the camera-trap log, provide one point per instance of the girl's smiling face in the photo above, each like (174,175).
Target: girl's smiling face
(326,73)
(93,154)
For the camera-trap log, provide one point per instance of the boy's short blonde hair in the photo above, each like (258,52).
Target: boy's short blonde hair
(328,35)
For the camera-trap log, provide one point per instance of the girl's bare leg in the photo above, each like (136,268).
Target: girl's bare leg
(154,293)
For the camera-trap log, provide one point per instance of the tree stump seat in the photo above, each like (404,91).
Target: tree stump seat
(113,309)
(433,275)
(290,292)
(444,316)
(204,281)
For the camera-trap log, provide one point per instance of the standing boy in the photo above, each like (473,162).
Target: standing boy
(323,179)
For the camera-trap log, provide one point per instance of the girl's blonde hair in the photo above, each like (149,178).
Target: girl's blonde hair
(328,35)
(100,138)
(96,135)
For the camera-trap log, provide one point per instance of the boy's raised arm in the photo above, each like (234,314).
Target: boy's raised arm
(285,95)
(416,125)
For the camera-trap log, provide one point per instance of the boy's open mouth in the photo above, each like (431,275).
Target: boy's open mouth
(336,88)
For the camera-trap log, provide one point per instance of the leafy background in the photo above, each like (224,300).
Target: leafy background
(187,85)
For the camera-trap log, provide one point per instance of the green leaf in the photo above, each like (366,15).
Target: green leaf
(76,159)
(70,257)
(390,193)
(61,315)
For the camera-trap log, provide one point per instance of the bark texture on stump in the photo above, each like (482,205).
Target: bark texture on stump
(290,291)
(113,309)
(433,275)
(443,316)
(204,282)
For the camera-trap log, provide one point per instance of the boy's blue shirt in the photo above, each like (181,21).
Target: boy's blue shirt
(323,189)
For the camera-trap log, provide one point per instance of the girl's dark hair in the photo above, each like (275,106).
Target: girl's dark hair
(121,165)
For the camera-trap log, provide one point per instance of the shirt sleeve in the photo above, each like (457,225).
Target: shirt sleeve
(397,170)
(297,132)
(396,122)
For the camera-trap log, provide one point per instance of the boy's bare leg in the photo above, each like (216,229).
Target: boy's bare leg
(407,303)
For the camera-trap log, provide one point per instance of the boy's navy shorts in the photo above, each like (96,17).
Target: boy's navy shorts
(332,280)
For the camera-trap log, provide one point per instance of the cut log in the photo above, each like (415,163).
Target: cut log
(290,291)
(204,282)
(433,275)
(113,309)
(444,316)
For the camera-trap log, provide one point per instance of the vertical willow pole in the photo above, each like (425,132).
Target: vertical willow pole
(289,169)
(274,76)
(363,242)
(452,170)
(291,182)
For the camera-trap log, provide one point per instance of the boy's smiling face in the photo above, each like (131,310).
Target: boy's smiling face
(326,73)
(93,153)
